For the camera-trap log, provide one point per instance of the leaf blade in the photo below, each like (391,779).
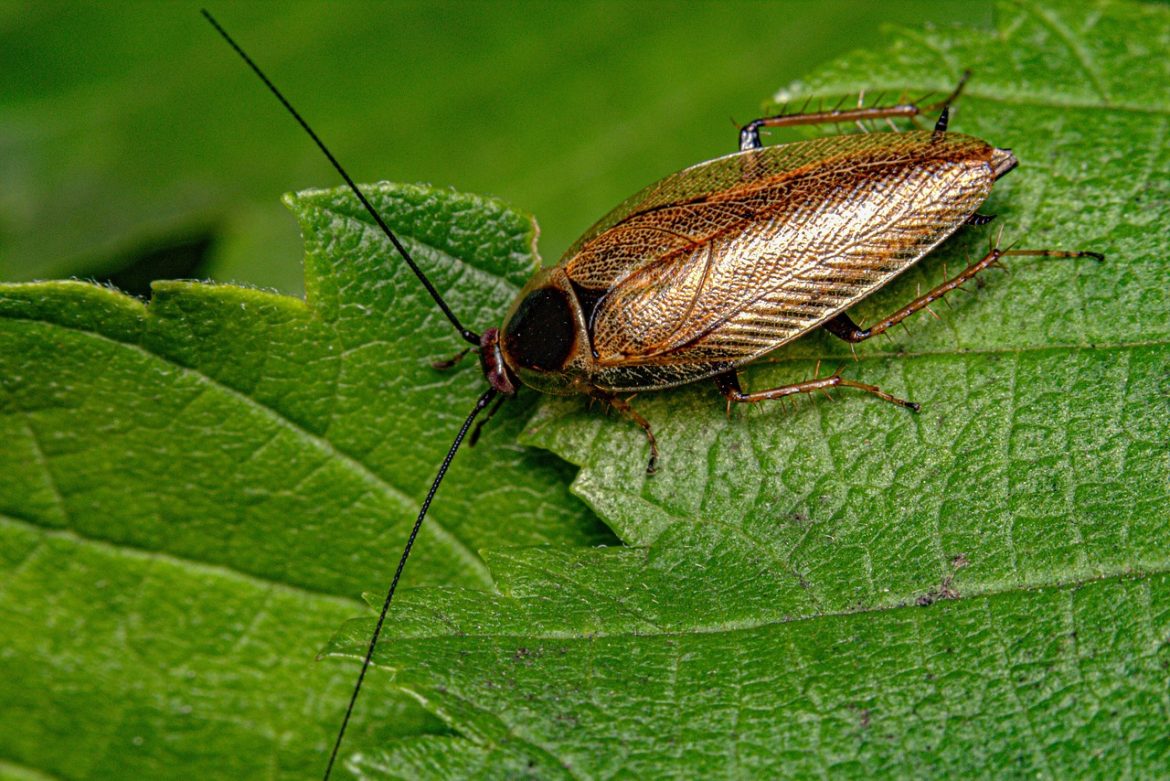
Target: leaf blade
(228,436)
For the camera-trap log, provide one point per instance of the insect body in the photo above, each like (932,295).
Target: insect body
(721,263)
(725,261)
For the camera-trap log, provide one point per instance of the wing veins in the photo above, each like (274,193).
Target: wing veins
(858,242)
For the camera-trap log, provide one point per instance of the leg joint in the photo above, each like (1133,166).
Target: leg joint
(843,327)
(749,135)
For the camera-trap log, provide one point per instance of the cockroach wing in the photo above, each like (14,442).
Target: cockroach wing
(729,259)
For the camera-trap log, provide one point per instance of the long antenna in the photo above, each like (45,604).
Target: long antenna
(483,401)
(466,333)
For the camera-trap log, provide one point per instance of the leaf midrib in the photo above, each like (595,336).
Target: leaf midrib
(129,549)
(1115,574)
(349,462)
(962,351)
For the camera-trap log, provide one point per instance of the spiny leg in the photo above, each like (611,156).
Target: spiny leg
(843,327)
(623,406)
(749,134)
(728,384)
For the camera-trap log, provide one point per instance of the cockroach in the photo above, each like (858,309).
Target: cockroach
(721,263)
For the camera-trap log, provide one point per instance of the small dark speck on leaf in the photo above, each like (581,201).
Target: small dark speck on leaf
(947,590)
(944,591)
(526,655)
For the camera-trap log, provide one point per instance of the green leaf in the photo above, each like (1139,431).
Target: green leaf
(596,664)
(847,588)
(193,491)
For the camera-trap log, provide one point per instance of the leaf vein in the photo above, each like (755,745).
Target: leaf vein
(731,627)
(321,444)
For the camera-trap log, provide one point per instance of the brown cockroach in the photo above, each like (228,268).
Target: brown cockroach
(721,263)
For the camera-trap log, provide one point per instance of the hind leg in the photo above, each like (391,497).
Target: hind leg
(728,384)
(843,327)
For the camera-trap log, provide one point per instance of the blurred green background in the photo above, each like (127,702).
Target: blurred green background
(135,145)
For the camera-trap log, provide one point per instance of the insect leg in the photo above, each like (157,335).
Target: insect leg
(843,327)
(749,134)
(491,413)
(623,406)
(450,363)
(728,384)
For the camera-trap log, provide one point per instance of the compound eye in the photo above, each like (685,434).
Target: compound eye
(541,333)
